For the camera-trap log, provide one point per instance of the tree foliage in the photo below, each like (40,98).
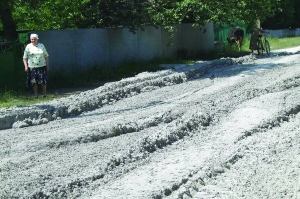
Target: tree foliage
(8,24)
(48,14)
(115,13)
(135,14)
(288,16)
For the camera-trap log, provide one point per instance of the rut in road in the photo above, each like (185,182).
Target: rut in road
(289,109)
(19,117)
(189,117)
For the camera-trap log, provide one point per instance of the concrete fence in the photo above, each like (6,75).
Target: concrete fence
(84,48)
(285,33)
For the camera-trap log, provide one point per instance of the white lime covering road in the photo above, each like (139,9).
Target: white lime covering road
(226,128)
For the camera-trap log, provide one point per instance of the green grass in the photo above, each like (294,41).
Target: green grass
(94,77)
(97,75)
(275,43)
(21,98)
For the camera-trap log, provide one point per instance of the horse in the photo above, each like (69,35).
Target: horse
(236,36)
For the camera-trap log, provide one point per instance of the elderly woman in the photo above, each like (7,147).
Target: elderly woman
(36,61)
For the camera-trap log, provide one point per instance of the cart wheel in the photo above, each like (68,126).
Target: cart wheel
(260,47)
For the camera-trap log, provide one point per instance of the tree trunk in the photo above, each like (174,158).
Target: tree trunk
(9,26)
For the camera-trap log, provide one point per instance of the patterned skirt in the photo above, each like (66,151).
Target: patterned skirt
(37,76)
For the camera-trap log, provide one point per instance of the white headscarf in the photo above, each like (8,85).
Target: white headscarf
(34,36)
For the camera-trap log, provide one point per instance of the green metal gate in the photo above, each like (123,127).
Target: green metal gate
(12,74)
(7,70)
(221,31)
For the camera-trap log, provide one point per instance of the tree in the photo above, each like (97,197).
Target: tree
(47,14)
(288,16)
(134,14)
(131,14)
(9,26)
(137,13)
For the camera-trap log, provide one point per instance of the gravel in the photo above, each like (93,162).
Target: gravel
(227,128)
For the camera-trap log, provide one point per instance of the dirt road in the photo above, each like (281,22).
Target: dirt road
(227,128)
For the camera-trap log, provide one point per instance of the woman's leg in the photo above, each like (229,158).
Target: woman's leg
(35,90)
(44,87)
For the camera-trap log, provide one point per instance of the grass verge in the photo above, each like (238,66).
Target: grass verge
(275,43)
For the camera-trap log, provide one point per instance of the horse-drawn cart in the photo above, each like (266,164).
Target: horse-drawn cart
(236,37)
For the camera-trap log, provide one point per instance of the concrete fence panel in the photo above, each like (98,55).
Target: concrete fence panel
(285,33)
(84,48)
(191,39)
(207,38)
(150,43)
(71,49)
(123,45)
(197,39)
(91,47)
(60,47)
(171,43)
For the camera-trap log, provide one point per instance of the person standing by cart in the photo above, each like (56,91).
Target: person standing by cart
(255,35)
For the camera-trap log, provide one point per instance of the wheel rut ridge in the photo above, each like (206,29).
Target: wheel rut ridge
(72,106)
(201,178)
(109,94)
(95,135)
(147,146)
(190,185)
(42,114)
(162,143)
(286,84)
(270,124)
(20,117)
(198,179)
